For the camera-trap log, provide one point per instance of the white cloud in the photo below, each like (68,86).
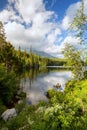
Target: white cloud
(52,37)
(71,40)
(85,7)
(65,23)
(29,8)
(70,13)
(57,50)
(15,33)
(5,15)
(27,22)
(11,1)
(9,14)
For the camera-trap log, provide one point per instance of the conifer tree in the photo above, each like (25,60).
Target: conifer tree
(2,35)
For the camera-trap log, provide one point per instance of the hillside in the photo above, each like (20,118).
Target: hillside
(43,54)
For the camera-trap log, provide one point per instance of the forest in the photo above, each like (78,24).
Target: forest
(65,110)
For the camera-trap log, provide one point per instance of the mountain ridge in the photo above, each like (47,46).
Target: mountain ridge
(42,53)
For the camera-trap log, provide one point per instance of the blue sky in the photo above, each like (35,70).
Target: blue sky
(59,6)
(41,23)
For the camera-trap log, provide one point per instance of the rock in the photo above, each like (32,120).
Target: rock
(18,97)
(20,101)
(57,85)
(8,114)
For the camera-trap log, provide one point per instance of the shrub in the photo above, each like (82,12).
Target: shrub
(2,107)
(8,85)
(51,93)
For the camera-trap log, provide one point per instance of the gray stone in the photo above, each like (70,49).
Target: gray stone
(8,114)
(20,101)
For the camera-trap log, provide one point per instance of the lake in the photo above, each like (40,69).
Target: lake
(35,83)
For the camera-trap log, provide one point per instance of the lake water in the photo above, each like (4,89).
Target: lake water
(35,83)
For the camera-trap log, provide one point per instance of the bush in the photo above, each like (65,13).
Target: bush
(8,85)
(2,107)
(20,107)
(50,93)
(22,95)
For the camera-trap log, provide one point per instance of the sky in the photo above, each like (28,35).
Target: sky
(42,24)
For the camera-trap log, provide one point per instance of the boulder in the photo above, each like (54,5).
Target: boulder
(8,114)
(20,101)
(57,85)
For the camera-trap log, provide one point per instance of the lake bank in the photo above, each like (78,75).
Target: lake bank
(66,110)
(35,84)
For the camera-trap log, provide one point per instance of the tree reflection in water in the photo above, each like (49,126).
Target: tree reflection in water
(35,82)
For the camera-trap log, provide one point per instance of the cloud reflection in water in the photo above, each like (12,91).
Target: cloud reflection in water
(35,90)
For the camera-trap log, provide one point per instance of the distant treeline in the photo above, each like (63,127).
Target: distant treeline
(18,60)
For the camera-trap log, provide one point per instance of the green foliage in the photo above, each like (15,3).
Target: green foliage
(51,93)
(73,56)
(30,118)
(8,55)
(79,24)
(18,60)
(56,62)
(30,60)
(71,112)
(2,107)
(66,111)
(2,35)
(8,85)
(77,59)
(20,107)
(2,39)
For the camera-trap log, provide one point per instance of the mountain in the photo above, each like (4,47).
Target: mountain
(42,53)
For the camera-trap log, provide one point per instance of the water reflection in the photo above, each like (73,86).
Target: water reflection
(36,82)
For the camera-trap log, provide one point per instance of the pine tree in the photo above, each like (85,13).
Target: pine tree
(2,35)
(2,40)
(31,58)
